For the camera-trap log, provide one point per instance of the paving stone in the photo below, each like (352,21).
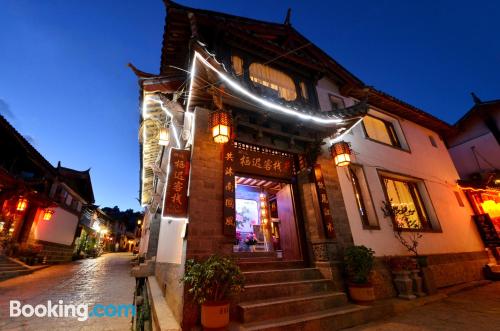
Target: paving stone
(105,280)
(475,309)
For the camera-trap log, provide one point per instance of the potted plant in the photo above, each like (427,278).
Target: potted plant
(251,241)
(211,282)
(359,263)
(401,267)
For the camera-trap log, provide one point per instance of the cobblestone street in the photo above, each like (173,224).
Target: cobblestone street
(104,280)
(475,309)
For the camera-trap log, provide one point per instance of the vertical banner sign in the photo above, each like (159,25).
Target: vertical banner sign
(176,200)
(324,204)
(229,189)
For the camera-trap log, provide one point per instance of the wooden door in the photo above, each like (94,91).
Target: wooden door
(289,237)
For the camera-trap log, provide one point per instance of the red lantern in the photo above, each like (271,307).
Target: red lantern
(22,203)
(341,153)
(47,214)
(220,123)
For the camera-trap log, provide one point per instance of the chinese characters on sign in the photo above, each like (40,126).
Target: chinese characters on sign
(229,190)
(324,204)
(175,203)
(278,166)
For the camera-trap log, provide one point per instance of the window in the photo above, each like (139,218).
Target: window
(303,90)
(407,205)
(237,63)
(362,196)
(273,79)
(336,102)
(433,141)
(380,130)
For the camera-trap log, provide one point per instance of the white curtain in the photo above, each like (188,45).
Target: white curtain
(273,79)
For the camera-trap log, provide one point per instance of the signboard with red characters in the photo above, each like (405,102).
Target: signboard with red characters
(176,200)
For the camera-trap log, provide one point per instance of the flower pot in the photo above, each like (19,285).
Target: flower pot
(422,261)
(215,314)
(251,248)
(404,284)
(361,293)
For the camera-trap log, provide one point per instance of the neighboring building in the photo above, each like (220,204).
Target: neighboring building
(40,204)
(95,232)
(474,146)
(274,177)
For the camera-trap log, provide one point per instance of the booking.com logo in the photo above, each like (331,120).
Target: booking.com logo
(80,311)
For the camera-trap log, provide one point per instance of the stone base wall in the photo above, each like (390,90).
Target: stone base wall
(443,270)
(54,253)
(455,268)
(168,275)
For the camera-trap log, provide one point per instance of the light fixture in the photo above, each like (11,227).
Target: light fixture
(139,222)
(164,137)
(22,203)
(341,153)
(47,214)
(220,123)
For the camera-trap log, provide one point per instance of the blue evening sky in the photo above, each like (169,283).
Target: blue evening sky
(64,81)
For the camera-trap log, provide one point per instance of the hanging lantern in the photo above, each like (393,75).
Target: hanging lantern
(47,214)
(164,138)
(341,153)
(22,203)
(220,123)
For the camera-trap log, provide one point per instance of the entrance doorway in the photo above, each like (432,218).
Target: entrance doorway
(266,216)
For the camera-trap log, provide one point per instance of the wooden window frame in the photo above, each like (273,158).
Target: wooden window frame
(417,198)
(391,131)
(365,221)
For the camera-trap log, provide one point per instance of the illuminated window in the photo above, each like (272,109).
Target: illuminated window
(237,63)
(406,202)
(380,130)
(273,79)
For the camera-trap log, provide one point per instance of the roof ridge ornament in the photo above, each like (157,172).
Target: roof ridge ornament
(475,98)
(288,17)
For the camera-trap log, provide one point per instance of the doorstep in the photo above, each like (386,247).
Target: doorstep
(380,309)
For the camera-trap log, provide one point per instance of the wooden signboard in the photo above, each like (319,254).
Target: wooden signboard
(176,200)
(324,204)
(277,165)
(229,190)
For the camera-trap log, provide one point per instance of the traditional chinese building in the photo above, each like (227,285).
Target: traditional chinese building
(474,146)
(40,204)
(252,131)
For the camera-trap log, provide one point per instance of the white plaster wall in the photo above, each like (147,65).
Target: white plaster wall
(170,241)
(434,166)
(60,229)
(486,145)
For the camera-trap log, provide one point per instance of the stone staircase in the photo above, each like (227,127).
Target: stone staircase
(10,268)
(286,295)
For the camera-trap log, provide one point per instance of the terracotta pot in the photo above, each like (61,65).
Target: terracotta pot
(362,293)
(215,314)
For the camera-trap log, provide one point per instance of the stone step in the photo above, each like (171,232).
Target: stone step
(270,265)
(329,319)
(281,275)
(285,289)
(261,310)
(11,274)
(11,267)
(254,255)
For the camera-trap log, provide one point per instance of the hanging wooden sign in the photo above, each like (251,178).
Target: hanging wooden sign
(229,189)
(176,200)
(324,204)
(279,165)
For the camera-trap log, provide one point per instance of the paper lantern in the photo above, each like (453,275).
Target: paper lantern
(220,123)
(341,153)
(22,203)
(47,214)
